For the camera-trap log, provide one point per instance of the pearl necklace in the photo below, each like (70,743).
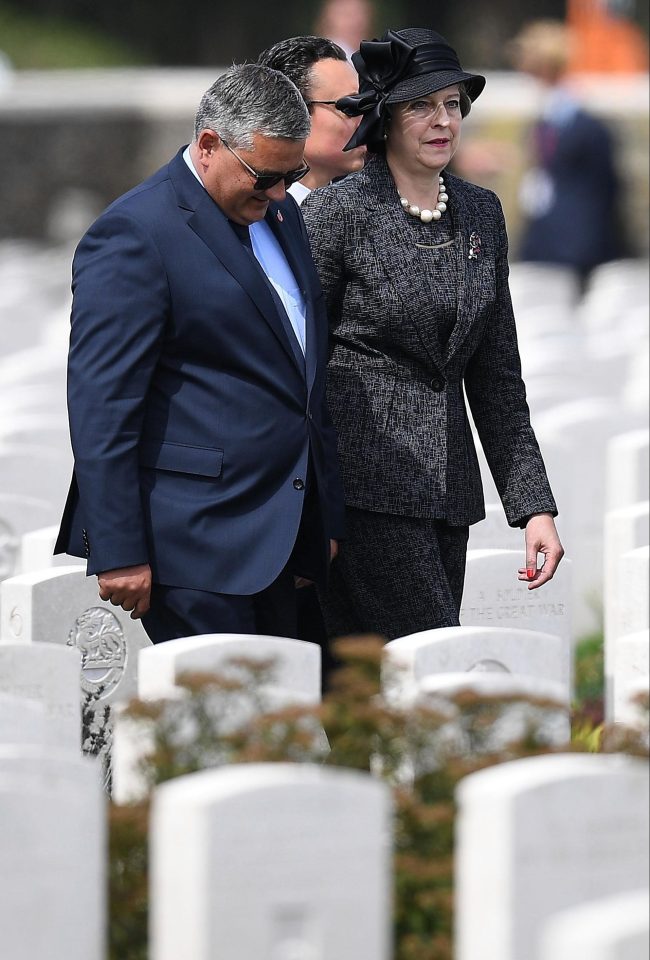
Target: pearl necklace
(426,216)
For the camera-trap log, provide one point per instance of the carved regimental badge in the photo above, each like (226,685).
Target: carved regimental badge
(98,635)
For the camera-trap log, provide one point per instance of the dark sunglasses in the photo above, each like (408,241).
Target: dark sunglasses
(264,181)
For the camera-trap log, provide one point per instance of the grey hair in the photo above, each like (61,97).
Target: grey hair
(250,98)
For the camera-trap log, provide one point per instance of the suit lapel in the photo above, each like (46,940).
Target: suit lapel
(209,223)
(472,265)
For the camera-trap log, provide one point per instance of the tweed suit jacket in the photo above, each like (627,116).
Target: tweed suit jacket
(396,397)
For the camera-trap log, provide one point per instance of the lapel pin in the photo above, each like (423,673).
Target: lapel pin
(279,216)
(474,246)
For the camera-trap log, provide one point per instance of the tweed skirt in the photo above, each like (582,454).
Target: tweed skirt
(395,576)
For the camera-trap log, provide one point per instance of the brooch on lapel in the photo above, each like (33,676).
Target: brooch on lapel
(474,246)
(279,216)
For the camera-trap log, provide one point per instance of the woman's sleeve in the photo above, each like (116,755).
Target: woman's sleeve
(325,221)
(497,398)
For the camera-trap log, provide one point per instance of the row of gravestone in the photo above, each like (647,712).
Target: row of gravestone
(293,861)
(61,606)
(34,479)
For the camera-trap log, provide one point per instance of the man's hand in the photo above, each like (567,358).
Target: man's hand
(541,537)
(128,587)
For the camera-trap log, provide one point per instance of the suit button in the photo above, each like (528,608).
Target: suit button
(437,384)
(298,484)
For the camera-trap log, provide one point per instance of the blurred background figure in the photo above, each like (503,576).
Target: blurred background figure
(347,22)
(322,73)
(570,196)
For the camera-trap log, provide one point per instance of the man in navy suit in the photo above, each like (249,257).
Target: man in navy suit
(206,483)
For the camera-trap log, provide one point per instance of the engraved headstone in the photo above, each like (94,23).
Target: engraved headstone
(494,597)
(409,661)
(632,595)
(631,674)
(277,860)
(51,676)
(616,928)
(62,606)
(627,480)
(541,835)
(52,839)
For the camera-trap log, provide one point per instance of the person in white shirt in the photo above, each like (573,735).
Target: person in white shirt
(323,74)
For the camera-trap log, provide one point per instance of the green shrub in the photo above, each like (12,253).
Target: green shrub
(41,43)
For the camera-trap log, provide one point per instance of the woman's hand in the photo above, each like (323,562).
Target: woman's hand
(541,537)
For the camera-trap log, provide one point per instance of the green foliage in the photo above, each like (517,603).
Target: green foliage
(589,680)
(421,750)
(40,43)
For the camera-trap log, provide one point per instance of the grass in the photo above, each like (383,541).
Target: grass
(42,43)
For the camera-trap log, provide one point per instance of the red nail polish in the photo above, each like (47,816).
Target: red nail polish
(530,572)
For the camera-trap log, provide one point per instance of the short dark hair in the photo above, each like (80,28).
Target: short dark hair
(296,56)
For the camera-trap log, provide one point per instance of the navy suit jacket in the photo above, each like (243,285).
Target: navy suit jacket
(194,415)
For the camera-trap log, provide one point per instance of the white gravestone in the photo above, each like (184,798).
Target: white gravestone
(616,928)
(632,602)
(23,721)
(494,597)
(18,515)
(586,426)
(51,676)
(625,529)
(277,861)
(631,674)
(541,835)
(295,680)
(296,663)
(62,606)
(409,661)
(52,851)
(627,478)
(37,551)
(493,533)
(517,716)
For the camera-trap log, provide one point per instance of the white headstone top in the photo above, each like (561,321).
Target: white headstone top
(408,661)
(541,835)
(616,928)
(277,860)
(296,663)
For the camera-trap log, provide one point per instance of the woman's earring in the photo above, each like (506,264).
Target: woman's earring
(386,136)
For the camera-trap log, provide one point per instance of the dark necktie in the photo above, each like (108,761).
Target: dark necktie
(243,233)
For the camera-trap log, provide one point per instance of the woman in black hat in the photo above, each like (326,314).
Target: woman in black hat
(413,263)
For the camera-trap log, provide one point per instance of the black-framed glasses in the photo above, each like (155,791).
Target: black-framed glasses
(264,181)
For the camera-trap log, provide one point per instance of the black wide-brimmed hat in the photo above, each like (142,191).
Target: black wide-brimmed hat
(403,65)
